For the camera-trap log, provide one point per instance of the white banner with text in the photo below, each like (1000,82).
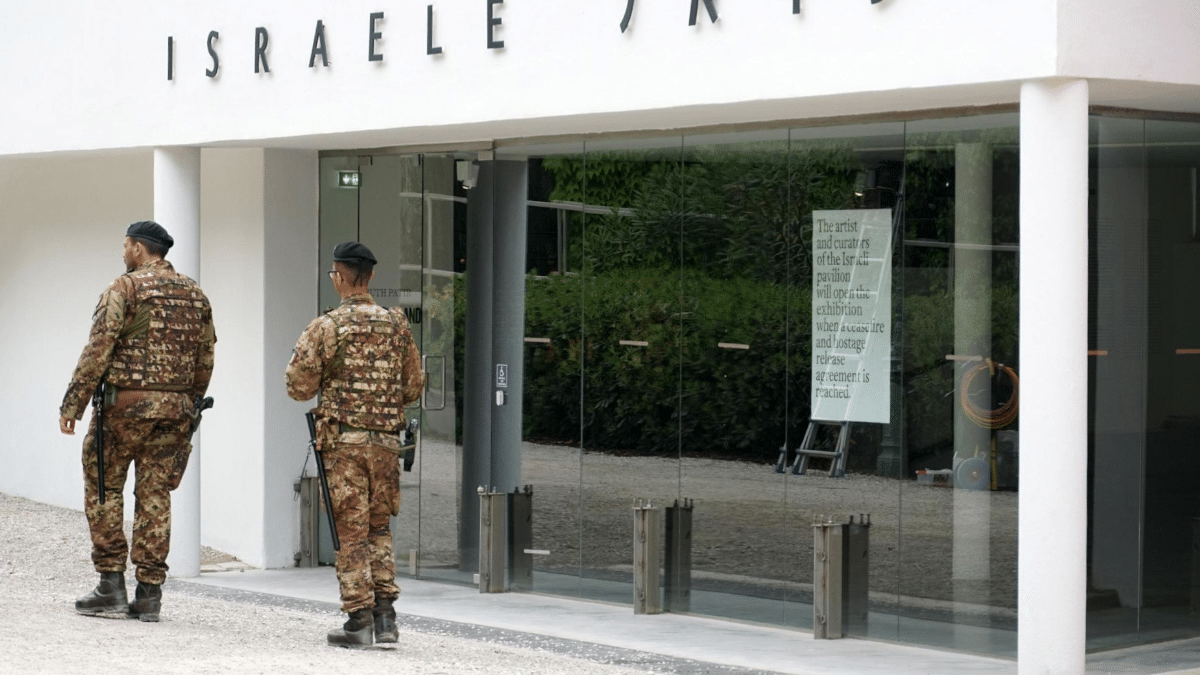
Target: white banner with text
(852,315)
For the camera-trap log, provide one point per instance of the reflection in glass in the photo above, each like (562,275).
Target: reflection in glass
(668,327)
(738,254)
(958,546)
(668,356)
(839,169)
(551,451)
(629,249)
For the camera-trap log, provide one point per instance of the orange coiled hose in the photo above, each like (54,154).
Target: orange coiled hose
(990,419)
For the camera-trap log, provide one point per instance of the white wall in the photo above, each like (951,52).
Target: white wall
(566,67)
(1119,39)
(231,272)
(291,278)
(259,268)
(62,223)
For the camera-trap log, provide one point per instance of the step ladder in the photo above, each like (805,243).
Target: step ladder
(837,456)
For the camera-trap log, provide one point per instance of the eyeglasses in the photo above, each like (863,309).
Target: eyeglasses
(331,273)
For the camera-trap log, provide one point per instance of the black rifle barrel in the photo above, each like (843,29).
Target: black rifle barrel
(312,434)
(98,413)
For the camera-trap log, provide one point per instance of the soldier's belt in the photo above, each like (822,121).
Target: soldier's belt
(352,435)
(124,398)
(346,428)
(156,387)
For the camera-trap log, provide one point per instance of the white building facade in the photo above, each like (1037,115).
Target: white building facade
(600,218)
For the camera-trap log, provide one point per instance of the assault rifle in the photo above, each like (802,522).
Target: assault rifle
(98,413)
(312,435)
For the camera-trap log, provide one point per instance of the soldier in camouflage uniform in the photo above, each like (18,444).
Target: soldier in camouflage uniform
(364,362)
(151,342)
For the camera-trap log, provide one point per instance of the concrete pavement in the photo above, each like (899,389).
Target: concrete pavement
(665,642)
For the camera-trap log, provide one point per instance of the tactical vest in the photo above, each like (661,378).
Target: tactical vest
(164,320)
(362,385)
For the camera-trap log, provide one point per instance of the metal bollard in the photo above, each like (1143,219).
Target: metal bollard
(646,540)
(520,539)
(856,590)
(677,591)
(308,491)
(827,579)
(491,540)
(840,576)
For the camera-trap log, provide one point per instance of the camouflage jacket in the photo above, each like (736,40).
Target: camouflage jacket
(363,360)
(117,326)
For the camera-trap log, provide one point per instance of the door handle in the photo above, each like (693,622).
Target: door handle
(429,383)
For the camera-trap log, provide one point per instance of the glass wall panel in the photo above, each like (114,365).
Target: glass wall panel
(737,260)
(553,369)
(1145,483)
(853,176)
(1117,342)
(956,585)
(677,334)
(629,250)
(1171,543)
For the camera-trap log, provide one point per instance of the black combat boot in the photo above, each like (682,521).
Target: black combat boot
(108,596)
(147,600)
(356,632)
(385,621)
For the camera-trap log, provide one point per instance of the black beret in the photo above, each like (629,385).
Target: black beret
(353,252)
(148,230)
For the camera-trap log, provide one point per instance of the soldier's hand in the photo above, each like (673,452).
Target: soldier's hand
(66,425)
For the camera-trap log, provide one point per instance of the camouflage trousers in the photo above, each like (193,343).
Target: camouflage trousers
(364,486)
(153,437)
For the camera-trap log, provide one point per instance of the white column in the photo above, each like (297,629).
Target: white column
(1051,565)
(177,208)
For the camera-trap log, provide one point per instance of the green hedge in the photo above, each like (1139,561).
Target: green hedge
(681,391)
(732,403)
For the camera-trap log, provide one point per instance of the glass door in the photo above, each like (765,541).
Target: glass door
(441,200)
(410,210)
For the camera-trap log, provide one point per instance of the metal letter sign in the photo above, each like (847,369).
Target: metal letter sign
(375,34)
(708,5)
(501,375)
(712,11)
(695,7)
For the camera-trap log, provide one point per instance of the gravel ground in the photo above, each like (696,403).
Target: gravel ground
(45,566)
